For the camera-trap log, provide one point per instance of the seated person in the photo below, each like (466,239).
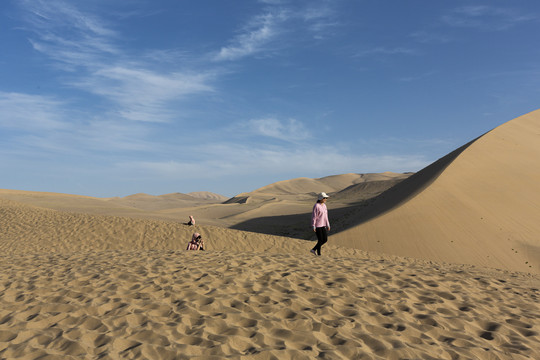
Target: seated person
(191,221)
(196,243)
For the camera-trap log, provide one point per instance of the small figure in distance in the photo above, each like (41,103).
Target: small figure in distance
(196,243)
(191,221)
(320,223)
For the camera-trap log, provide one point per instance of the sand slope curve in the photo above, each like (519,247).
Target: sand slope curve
(483,208)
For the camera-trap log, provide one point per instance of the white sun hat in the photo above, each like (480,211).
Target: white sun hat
(323,196)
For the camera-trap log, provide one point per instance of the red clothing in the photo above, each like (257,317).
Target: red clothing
(319,216)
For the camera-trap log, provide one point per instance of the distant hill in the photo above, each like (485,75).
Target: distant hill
(307,188)
(207,195)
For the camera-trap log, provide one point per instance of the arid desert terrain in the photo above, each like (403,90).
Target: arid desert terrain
(440,264)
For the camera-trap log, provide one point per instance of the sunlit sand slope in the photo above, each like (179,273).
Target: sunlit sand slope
(25,229)
(483,209)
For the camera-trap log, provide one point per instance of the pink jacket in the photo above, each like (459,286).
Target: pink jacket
(319,216)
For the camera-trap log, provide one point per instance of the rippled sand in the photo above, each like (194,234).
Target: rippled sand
(166,304)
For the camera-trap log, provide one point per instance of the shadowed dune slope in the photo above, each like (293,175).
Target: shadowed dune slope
(257,209)
(301,189)
(483,208)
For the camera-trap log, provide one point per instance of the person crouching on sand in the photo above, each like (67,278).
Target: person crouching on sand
(196,243)
(320,223)
(191,221)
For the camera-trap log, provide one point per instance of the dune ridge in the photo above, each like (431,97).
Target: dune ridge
(482,208)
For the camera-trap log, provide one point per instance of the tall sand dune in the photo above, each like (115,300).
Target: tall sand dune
(478,205)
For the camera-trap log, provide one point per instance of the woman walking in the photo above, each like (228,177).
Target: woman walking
(320,223)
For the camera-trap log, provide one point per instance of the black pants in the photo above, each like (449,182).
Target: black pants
(322,238)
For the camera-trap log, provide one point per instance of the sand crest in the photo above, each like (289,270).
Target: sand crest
(479,206)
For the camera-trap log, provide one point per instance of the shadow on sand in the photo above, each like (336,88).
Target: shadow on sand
(297,225)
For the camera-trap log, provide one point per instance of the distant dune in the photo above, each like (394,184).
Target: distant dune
(307,188)
(207,195)
(480,205)
(277,209)
(284,208)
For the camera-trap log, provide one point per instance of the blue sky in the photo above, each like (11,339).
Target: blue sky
(111,98)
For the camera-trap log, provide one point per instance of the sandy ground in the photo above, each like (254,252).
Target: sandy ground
(109,287)
(167,304)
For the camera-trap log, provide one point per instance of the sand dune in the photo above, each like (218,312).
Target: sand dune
(96,286)
(277,209)
(150,203)
(306,188)
(208,196)
(482,208)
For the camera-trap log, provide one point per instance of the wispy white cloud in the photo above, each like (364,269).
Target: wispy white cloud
(67,35)
(128,83)
(321,20)
(142,94)
(164,56)
(489,18)
(113,135)
(31,112)
(268,31)
(224,160)
(36,126)
(44,14)
(258,34)
(291,130)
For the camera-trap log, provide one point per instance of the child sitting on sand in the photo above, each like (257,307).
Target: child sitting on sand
(196,243)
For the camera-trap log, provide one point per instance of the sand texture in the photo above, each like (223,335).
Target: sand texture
(166,304)
(105,287)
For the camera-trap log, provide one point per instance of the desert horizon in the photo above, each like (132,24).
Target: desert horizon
(443,263)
